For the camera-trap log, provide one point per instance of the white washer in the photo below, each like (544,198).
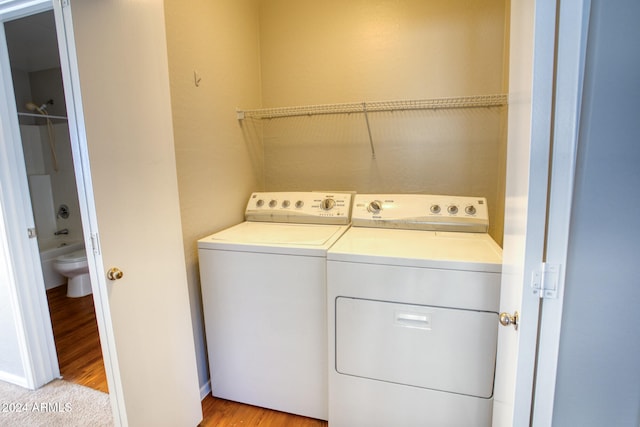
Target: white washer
(264,298)
(413,291)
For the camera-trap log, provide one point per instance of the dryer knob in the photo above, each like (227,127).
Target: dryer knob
(327,204)
(435,209)
(375,207)
(453,209)
(299,204)
(470,210)
(273,203)
(259,203)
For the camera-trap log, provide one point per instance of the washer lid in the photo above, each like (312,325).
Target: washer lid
(432,249)
(75,256)
(303,239)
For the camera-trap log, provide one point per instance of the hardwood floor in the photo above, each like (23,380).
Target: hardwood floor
(224,413)
(77,342)
(78,345)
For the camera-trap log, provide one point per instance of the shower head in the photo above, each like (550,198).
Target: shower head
(33,107)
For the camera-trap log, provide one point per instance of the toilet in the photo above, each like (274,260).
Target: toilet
(75,268)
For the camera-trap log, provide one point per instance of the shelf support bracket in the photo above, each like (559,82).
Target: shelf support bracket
(366,118)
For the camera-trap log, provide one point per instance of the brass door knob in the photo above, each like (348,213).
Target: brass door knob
(507,319)
(114,273)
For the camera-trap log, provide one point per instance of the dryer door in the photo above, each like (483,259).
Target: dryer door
(444,349)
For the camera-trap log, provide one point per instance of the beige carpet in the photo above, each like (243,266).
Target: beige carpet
(59,403)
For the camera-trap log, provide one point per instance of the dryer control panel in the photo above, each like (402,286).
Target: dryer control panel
(421,212)
(313,207)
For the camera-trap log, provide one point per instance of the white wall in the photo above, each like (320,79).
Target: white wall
(11,367)
(46,85)
(63,182)
(598,380)
(40,86)
(38,161)
(22,90)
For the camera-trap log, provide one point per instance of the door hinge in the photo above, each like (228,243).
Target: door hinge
(31,232)
(95,243)
(544,281)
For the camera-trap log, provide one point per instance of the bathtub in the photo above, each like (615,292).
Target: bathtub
(49,251)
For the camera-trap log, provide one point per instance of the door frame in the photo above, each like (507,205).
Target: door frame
(32,314)
(531,71)
(573,27)
(559,41)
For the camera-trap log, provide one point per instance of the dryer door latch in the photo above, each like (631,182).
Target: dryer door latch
(544,282)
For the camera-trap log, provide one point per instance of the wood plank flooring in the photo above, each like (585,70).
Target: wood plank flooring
(76,335)
(75,332)
(224,413)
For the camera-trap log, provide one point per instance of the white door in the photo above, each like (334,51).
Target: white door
(538,202)
(573,22)
(531,72)
(115,69)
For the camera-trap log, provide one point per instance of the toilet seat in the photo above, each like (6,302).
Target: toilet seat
(76,256)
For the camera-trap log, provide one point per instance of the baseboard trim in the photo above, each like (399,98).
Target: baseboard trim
(13,379)
(205,390)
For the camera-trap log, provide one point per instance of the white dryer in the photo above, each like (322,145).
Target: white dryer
(264,299)
(413,292)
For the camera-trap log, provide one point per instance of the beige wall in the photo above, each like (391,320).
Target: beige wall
(329,51)
(335,51)
(217,168)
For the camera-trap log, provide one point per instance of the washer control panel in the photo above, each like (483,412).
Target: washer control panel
(313,207)
(421,212)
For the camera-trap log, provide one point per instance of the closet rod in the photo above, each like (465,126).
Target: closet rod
(477,101)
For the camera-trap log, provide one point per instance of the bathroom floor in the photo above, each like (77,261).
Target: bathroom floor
(77,342)
(76,335)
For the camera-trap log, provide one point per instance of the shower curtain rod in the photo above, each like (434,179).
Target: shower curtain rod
(42,116)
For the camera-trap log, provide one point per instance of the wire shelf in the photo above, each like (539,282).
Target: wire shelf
(477,101)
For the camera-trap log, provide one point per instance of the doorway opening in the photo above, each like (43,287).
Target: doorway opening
(38,87)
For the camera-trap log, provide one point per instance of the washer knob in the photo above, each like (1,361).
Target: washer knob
(470,210)
(375,206)
(453,209)
(273,203)
(299,204)
(286,203)
(435,209)
(327,204)
(259,203)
